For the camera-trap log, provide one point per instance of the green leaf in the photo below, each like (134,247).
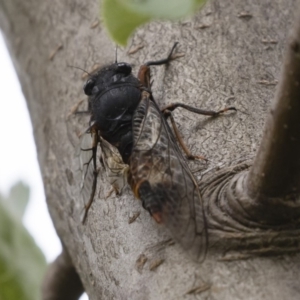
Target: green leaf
(166,9)
(22,264)
(120,21)
(18,198)
(122,17)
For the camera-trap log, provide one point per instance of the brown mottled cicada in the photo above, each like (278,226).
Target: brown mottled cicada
(137,142)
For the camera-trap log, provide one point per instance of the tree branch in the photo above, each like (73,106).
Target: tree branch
(61,281)
(276,170)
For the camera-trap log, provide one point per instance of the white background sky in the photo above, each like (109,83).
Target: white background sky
(18,158)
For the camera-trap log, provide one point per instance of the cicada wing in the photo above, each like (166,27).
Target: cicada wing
(160,176)
(116,170)
(88,169)
(185,218)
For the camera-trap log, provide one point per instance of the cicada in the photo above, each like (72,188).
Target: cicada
(136,141)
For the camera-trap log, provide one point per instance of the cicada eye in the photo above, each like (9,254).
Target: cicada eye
(124,68)
(88,86)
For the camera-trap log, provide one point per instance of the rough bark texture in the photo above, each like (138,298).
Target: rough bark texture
(234,61)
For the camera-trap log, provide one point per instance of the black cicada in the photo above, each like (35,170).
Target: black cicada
(137,142)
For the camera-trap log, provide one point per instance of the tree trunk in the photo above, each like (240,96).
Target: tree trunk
(233,54)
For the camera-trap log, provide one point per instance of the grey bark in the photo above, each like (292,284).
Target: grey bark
(234,61)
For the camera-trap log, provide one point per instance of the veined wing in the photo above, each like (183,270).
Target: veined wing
(88,168)
(160,177)
(116,170)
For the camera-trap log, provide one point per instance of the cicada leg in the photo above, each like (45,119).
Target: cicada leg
(167,113)
(163,61)
(95,175)
(144,71)
(213,113)
(179,138)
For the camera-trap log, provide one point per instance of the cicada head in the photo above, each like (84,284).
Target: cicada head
(108,76)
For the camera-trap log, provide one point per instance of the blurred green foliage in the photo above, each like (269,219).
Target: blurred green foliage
(22,264)
(122,17)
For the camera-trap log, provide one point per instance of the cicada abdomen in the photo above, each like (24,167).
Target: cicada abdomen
(159,175)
